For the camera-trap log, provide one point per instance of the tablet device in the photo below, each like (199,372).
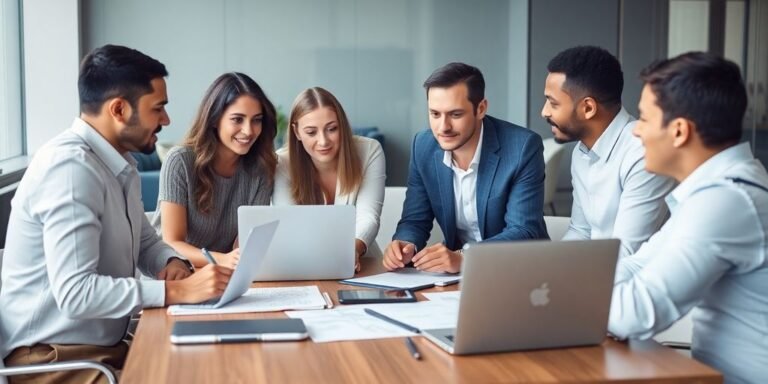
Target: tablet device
(232,331)
(369,296)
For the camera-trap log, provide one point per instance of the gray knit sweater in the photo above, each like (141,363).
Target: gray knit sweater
(218,229)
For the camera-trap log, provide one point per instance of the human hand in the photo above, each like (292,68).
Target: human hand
(438,258)
(398,254)
(229,260)
(207,283)
(360,250)
(175,269)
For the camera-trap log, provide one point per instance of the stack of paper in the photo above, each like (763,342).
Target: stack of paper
(261,300)
(406,278)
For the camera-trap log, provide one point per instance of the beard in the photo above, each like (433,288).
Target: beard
(133,136)
(570,132)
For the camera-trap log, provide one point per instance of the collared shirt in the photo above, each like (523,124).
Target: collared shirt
(465,194)
(77,232)
(710,255)
(613,195)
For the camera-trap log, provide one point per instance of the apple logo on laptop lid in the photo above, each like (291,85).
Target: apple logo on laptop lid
(540,296)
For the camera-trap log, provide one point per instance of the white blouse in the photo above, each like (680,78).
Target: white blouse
(367,199)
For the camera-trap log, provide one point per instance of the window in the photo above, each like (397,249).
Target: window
(11,126)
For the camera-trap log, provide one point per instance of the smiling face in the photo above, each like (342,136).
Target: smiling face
(240,125)
(560,111)
(452,117)
(318,132)
(658,139)
(146,120)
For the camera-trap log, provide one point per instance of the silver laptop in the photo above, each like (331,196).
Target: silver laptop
(532,295)
(312,242)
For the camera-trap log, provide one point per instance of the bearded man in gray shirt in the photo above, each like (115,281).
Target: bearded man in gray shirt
(77,230)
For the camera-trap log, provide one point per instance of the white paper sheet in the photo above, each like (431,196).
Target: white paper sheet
(448,296)
(404,279)
(352,323)
(262,300)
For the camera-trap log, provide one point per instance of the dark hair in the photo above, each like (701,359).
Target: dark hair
(454,73)
(703,88)
(203,137)
(115,71)
(590,71)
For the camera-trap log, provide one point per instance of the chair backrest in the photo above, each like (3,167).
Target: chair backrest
(557,226)
(390,215)
(2,365)
(679,332)
(553,154)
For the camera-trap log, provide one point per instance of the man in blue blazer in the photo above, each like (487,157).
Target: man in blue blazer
(482,178)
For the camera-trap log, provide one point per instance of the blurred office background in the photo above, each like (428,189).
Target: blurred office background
(373,55)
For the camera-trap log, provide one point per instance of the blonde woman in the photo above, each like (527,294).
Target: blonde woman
(325,164)
(227,160)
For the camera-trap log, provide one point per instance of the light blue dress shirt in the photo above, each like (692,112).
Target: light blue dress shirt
(613,195)
(711,257)
(77,232)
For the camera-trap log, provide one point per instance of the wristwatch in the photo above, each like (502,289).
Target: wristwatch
(185,261)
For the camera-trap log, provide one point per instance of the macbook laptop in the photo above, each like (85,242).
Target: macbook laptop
(532,295)
(313,242)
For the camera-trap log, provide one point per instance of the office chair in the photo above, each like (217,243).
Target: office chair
(678,336)
(391,210)
(52,367)
(557,226)
(553,154)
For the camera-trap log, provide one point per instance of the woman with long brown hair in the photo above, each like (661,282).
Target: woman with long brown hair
(325,164)
(227,160)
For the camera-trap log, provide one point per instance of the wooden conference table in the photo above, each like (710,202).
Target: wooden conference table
(153,359)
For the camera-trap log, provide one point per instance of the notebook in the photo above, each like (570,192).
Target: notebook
(406,278)
(269,299)
(231,331)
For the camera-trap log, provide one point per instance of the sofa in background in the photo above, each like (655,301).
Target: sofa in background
(371,132)
(149,173)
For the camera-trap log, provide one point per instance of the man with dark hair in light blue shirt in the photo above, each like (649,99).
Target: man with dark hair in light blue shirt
(613,195)
(710,257)
(77,230)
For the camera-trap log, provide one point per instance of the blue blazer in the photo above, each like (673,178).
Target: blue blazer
(510,188)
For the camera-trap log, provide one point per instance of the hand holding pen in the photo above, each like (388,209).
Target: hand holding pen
(228,260)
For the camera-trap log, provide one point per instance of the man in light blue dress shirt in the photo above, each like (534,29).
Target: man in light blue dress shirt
(710,257)
(77,230)
(613,195)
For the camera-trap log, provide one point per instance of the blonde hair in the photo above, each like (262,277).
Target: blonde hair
(203,137)
(305,182)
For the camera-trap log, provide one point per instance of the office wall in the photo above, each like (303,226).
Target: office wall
(51,60)
(634,31)
(556,25)
(643,40)
(372,55)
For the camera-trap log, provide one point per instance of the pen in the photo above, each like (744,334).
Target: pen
(412,348)
(391,320)
(447,283)
(328,301)
(208,256)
